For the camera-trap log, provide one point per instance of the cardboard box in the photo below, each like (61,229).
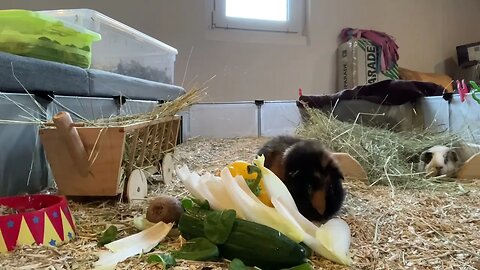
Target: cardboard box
(357,64)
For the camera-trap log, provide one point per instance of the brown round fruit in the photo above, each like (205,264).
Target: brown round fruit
(164,208)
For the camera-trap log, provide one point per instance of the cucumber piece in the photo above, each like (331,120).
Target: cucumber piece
(254,244)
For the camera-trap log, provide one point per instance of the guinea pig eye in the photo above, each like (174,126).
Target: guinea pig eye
(426,157)
(309,189)
(293,174)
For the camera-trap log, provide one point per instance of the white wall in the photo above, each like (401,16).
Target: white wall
(427,32)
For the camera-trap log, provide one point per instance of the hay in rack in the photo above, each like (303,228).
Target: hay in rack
(169,108)
(146,146)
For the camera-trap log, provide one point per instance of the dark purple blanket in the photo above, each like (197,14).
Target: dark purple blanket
(388,92)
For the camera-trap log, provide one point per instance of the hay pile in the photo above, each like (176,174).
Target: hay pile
(388,157)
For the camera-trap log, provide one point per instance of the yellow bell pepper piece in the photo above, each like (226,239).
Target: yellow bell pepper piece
(240,167)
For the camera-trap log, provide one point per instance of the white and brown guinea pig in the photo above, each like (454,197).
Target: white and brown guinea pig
(440,160)
(310,173)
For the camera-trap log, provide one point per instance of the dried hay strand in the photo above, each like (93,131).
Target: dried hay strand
(388,157)
(168,108)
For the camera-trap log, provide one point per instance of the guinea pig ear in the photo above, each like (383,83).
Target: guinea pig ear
(451,156)
(426,157)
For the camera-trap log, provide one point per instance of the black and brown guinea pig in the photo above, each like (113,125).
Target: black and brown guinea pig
(310,173)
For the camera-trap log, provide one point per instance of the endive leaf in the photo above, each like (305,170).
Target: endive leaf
(215,191)
(196,185)
(255,210)
(186,177)
(208,188)
(132,245)
(331,243)
(335,237)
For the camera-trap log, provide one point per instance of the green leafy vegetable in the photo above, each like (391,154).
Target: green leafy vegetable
(190,202)
(187,203)
(305,266)
(202,204)
(109,235)
(166,259)
(197,249)
(254,185)
(237,264)
(218,225)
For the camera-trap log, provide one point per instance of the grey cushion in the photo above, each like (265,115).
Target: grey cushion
(107,84)
(40,75)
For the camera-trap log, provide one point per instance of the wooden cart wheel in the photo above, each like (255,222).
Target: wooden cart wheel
(168,168)
(137,186)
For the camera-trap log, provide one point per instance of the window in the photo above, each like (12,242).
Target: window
(259,15)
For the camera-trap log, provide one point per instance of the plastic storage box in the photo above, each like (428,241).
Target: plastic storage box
(28,33)
(123,50)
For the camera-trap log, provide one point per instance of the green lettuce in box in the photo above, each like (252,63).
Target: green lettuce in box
(31,34)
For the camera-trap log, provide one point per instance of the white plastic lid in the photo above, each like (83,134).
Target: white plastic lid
(89,13)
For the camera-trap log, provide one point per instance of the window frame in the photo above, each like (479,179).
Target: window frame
(294,24)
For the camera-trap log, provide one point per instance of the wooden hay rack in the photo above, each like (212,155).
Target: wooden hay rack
(101,161)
